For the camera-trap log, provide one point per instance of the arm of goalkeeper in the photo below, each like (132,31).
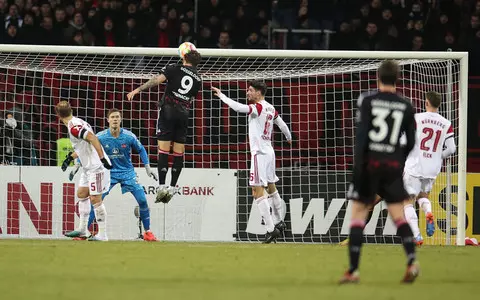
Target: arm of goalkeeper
(75,169)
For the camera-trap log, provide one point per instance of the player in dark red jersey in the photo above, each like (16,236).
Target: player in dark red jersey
(382,117)
(183,84)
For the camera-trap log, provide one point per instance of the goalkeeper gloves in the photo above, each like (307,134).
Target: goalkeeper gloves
(150,173)
(76,167)
(69,158)
(106,163)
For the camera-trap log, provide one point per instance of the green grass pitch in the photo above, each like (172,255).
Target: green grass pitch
(47,269)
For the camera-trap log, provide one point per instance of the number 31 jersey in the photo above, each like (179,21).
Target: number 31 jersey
(425,160)
(183,84)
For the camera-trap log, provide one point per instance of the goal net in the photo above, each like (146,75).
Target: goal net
(314,92)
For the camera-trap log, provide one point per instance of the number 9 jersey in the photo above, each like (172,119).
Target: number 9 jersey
(183,84)
(432,144)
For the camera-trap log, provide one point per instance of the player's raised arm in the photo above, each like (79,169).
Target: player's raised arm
(236,106)
(283,127)
(93,139)
(157,80)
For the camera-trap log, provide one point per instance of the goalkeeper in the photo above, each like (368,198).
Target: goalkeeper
(118,143)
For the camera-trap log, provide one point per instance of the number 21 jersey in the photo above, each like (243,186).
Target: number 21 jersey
(183,84)
(425,160)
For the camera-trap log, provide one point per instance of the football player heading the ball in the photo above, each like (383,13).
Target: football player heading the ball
(183,84)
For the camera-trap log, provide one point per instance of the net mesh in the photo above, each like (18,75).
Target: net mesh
(316,98)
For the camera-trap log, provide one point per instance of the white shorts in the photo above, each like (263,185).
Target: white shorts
(98,182)
(262,169)
(415,185)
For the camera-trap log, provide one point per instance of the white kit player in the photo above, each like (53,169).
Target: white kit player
(434,142)
(261,117)
(95,177)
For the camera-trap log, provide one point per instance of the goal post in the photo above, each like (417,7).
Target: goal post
(315,92)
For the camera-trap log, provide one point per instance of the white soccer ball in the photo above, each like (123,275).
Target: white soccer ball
(186,48)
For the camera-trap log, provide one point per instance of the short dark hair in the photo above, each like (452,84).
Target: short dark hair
(193,57)
(434,98)
(388,72)
(113,110)
(63,109)
(259,86)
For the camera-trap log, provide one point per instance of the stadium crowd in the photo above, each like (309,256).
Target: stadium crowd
(415,25)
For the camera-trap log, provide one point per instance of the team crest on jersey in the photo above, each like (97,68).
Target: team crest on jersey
(115,151)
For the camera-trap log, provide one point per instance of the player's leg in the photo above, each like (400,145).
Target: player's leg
(83,209)
(412,186)
(113,182)
(359,212)
(137,191)
(275,201)
(371,208)
(396,195)
(425,204)
(164,137)
(258,182)
(99,184)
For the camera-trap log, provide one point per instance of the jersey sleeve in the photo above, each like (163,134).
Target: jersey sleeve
(167,71)
(363,120)
(410,125)
(255,110)
(79,131)
(449,132)
(138,147)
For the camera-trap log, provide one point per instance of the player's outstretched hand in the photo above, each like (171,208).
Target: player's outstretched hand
(289,142)
(132,94)
(216,91)
(68,159)
(150,173)
(106,164)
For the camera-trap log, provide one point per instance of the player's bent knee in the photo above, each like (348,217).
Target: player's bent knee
(83,192)
(96,199)
(422,195)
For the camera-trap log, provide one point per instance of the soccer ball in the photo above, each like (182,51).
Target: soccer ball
(186,48)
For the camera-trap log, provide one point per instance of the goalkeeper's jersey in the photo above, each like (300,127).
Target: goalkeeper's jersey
(260,126)
(78,130)
(119,150)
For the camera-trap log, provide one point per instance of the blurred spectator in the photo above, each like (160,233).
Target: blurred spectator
(13,17)
(108,36)
(186,34)
(345,38)
(77,32)
(254,41)
(61,18)
(206,39)
(12,35)
(224,41)
(161,37)
(28,34)
(370,40)
(133,36)
(50,35)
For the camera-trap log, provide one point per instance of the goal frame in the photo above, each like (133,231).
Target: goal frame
(463,83)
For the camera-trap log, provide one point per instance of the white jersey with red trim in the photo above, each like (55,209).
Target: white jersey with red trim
(260,126)
(425,159)
(78,130)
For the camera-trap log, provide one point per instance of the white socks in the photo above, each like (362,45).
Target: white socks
(412,219)
(276,203)
(101,217)
(84,212)
(264,207)
(425,204)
